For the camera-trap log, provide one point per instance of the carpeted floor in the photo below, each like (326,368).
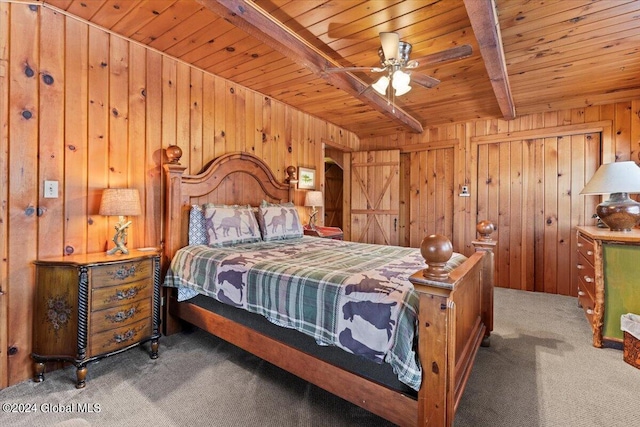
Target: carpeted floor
(540,370)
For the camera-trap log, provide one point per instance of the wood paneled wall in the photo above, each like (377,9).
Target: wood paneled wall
(618,129)
(93,110)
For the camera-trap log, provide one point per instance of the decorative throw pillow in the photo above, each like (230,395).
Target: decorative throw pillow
(227,225)
(264,203)
(279,221)
(197,234)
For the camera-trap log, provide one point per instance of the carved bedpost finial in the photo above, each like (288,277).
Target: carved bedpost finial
(436,251)
(485,229)
(291,174)
(173,154)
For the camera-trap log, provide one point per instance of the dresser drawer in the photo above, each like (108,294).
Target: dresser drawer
(113,296)
(587,303)
(121,337)
(586,248)
(587,275)
(122,315)
(120,273)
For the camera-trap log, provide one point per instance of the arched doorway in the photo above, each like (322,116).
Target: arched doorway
(333,185)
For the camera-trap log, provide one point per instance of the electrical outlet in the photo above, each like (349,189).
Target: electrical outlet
(51,189)
(465,191)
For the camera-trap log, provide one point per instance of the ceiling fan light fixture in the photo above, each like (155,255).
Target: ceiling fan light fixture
(400,82)
(390,42)
(400,79)
(402,90)
(381,85)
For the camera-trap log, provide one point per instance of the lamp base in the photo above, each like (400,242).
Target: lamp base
(120,238)
(620,213)
(312,219)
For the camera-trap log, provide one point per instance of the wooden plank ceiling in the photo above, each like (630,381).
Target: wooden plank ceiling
(536,57)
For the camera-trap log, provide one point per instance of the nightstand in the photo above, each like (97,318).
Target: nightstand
(325,232)
(92,306)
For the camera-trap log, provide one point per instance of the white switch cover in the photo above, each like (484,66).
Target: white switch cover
(51,189)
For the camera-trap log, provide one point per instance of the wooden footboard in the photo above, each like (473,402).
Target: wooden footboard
(455,316)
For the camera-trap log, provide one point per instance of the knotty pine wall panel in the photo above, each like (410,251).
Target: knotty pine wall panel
(97,134)
(93,110)
(547,142)
(4,189)
(22,199)
(51,127)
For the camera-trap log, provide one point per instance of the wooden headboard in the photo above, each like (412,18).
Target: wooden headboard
(234,178)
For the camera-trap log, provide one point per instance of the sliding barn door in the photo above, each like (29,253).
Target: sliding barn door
(431,194)
(531,190)
(375,202)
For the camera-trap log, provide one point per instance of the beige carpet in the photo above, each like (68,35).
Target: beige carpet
(540,371)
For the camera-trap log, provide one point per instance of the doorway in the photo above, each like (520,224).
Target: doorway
(333,194)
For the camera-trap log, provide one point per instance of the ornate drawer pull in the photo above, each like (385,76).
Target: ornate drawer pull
(123,272)
(124,337)
(121,316)
(127,293)
(588,279)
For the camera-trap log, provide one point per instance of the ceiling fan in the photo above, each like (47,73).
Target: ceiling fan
(394,58)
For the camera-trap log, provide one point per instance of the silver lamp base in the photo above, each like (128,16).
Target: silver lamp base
(619,213)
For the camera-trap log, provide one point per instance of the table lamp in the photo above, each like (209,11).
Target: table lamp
(120,202)
(619,213)
(313,199)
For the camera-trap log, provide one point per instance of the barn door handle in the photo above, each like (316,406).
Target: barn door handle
(395,224)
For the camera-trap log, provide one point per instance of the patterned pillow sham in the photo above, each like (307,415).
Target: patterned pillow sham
(197,233)
(278,222)
(265,203)
(228,225)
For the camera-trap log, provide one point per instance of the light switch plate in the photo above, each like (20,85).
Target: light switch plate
(51,189)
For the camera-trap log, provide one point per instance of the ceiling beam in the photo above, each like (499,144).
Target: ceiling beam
(257,23)
(486,27)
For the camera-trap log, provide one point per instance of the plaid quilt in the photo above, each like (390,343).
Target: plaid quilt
(352,295)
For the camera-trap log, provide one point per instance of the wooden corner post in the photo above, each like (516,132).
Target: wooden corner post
(486,244)
(436,322)
(172,227)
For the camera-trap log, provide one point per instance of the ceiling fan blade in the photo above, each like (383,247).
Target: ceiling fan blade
(390,43)
(424,80)
(349,69)
(457,52)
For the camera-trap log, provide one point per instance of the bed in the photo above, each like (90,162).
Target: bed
(450,314)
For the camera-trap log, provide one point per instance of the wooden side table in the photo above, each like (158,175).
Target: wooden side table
(91,306)
(324,232)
